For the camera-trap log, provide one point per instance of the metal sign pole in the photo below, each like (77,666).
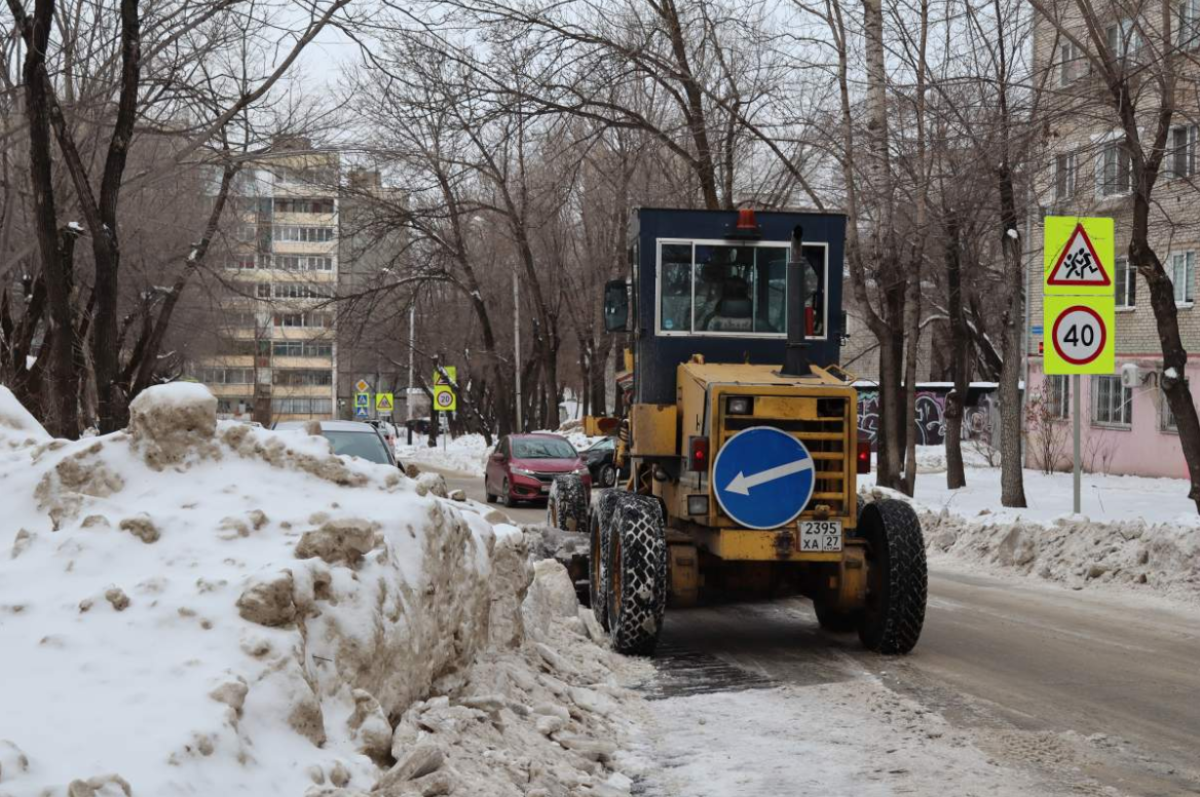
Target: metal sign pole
(446,431)
(1075,413)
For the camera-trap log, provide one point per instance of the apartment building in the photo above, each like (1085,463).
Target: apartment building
(1127,425)
(275,356)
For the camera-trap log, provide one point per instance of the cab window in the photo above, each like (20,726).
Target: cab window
(717,288)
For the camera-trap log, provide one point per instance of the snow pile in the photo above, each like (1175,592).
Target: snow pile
(540,718)
(17,426)
(1071,549)
(193,607)
(464,454)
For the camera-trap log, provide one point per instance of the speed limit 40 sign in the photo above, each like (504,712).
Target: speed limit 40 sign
(1080,335)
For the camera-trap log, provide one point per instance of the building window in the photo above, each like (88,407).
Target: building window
(1181,152)
(1126,283)
(1064,177)
(1058,397)
(1168,418)
(318,320)
(303,378)
(1113,171)
(302,290)
(305,205)
(227,376)
(1112,404)
(301,406)
(307,348)
(263,289)
(245,263)
(1068,63)
(1187,24)
(1181,269)
(304,234)
(1123,39)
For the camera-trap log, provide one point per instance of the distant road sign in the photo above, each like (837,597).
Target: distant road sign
(1081,335)
(384,402)
(362,400)
(451,371)
(362,386)
(444,398)
(361,412)
(763,477)
(1078,256)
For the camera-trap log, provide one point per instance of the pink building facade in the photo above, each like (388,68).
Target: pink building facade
(1123,430)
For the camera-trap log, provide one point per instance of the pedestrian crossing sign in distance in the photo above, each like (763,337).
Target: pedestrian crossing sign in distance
(1078,256)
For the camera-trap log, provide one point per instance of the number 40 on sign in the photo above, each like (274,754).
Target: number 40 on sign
(1080,335)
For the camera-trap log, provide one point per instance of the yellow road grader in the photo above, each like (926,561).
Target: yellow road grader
(741,438)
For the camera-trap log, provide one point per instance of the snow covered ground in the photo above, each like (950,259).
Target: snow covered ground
(465,454)
(851,737)
(204,608)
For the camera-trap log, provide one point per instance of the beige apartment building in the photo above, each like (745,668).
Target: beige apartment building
(276,357)
(1128,427)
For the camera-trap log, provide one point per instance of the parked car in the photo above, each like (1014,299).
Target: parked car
(352,439)
(600,457)
(386,429)
(522,467)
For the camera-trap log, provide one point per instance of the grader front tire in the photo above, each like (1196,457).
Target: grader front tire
(897,579)
(637,573)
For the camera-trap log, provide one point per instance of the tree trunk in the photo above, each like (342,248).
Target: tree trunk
(1012,478)
(64,416)
(1174,379)
(959,367)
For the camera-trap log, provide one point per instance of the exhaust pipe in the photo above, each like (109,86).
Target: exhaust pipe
(795,356)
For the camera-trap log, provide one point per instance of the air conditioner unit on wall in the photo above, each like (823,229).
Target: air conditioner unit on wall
(1131,375)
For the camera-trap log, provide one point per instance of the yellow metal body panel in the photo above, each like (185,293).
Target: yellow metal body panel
(653,427)
(684,568)
(786,402)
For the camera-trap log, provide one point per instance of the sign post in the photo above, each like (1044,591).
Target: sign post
(1079,310)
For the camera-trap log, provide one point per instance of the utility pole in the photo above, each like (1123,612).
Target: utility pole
(517,345)
(412,342)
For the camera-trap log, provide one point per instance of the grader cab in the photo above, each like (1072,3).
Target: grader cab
(741,437)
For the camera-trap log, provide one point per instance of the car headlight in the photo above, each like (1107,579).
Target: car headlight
(523,472)
(581,469)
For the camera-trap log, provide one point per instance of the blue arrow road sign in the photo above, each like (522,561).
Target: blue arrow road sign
(763,477)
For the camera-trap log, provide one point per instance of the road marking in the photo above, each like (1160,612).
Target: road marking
(742,483)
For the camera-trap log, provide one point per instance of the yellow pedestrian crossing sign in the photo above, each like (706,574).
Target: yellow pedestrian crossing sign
(384,402)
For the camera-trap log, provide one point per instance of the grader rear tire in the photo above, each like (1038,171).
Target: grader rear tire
(637,573)
(897,580)
(566,508)
(599,526)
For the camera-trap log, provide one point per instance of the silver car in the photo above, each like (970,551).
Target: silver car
(351,439)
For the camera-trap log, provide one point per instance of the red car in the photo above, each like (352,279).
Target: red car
(523,466)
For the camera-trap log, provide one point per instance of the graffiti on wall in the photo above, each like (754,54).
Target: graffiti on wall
(930,421)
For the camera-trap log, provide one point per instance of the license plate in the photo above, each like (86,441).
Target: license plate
(545,488)
(820,536)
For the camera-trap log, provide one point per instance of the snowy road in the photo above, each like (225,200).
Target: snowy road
(1088,692)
